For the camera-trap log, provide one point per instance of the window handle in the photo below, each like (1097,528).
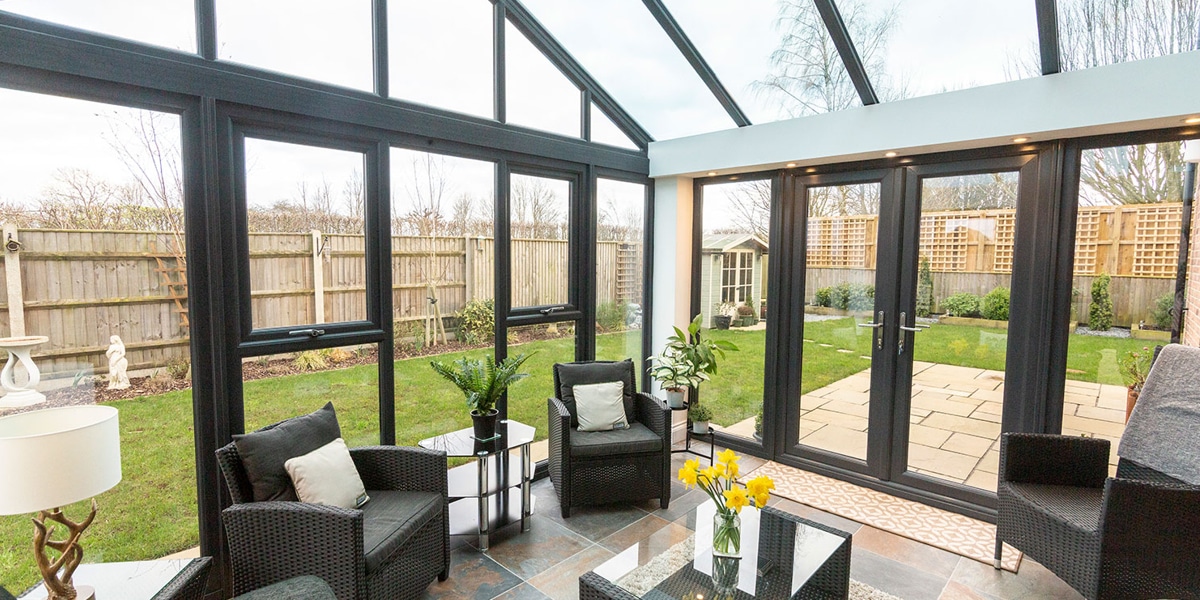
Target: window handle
(308,332)
(552,309)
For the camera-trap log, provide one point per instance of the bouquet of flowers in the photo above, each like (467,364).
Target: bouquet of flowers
(719,481)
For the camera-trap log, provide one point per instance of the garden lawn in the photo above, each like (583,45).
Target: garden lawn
(152,512)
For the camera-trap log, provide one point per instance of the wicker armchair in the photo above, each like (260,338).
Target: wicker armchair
(392,548)
(1133,536)
(189,583)
(608,466)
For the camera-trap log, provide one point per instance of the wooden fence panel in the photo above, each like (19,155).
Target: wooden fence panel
(540,272)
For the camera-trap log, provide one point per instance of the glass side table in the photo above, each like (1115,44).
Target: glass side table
(498,492)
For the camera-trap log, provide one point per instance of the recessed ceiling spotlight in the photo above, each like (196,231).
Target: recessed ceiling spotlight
(811,170)
(1020,140)
(1192,121)
(889,154)
(712,173)
(790,165)
(734,178)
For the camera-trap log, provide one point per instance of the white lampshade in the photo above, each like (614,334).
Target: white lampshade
(54,457)
(1191,151)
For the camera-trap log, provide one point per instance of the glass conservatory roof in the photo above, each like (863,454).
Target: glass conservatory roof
(676,67)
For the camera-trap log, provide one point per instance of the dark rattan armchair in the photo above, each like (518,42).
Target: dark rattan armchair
(1133,536)
(392,548)
(189,583)
(608,466)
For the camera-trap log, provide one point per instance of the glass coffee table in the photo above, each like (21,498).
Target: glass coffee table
(496,492)
(782,557)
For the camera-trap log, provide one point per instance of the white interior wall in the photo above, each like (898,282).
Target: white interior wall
(672,267)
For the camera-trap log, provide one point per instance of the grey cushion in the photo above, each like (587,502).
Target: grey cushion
(1078,506)
(263,452)
(1163,432)
(391,517)
(635,440)
(568,375)
(305,587)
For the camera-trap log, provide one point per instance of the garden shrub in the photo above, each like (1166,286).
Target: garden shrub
(310,360)
(994,305)
(1160,315)
(962,304)
(477,321)
(823,297)
(409,335)
(924,289)
(846,296)
(1100,313)
(610,316)
(179,368)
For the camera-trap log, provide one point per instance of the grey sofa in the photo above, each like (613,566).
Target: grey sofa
(392,548)
(607,466)
(1136,535)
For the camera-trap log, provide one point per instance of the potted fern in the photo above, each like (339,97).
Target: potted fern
(482,381)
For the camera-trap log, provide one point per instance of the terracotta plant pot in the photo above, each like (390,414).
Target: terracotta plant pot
(1130,399)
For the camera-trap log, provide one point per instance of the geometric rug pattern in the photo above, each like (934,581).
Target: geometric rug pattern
(943,529)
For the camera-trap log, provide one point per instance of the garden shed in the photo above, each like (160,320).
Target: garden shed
(731,269)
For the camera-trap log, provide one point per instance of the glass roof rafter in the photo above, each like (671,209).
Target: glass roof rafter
(1047,24)
(836,27)
(693,56)
(537,34)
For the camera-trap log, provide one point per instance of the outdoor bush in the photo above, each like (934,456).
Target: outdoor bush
(409,335)
(924,289)
(994,305)
(337,355)
(860,296)
(823,297)
(962,304)
(1100,313)
(1160,315)
(745,311)
(178,368)
(610,316)
(477,321)
(310,360)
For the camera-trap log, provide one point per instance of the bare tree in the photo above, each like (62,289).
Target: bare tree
(147,143)
(970,192)
(808,76)
(843,200)
(1141,174)
(78,199)
(617,223)
(536,210)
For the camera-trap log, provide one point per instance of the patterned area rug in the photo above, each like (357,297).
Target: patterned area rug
(932,526)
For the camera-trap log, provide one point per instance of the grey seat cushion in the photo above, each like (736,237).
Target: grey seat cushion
(305,587)
(635,440)
(391,517)
(1078,506)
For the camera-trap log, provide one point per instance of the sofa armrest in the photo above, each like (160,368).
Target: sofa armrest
(559,440)
(403,468)
(654,414)
(1148,539)
(273,541)
(1053,459)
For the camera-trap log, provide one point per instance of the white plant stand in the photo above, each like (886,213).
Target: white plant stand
(18,350)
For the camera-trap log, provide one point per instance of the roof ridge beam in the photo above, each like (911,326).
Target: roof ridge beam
(836,27)
(541,38)
(693,56)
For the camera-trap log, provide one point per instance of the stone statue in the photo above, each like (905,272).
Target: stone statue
(118,379)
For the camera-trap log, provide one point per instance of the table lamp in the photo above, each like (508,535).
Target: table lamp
(52,458)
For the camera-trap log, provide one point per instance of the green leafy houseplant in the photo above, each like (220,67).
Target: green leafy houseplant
(1135,366)
(482,381)
(688,358)
(700,412)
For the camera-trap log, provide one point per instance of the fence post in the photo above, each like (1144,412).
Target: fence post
(469,267)
(318,276)
(12,276)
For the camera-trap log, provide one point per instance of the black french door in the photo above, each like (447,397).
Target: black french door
(882,380)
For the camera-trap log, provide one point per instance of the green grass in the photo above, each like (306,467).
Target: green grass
(152,512)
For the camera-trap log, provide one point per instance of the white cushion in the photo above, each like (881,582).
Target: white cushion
(601,406)
(327,476)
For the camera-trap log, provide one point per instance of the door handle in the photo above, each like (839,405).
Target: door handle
(876,325)
(916,328)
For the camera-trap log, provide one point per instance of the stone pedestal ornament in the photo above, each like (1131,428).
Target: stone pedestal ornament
(18,351)
(118,378)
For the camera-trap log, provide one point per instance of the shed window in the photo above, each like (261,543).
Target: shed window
(737,273)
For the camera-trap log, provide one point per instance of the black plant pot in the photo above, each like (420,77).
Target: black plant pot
(485,424)
(722,321)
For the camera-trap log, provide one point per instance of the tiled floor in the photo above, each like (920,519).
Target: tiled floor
(547,561)
(954,430)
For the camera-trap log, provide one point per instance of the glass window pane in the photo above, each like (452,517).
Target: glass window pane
(625,49)
(731,310)
(1127,230)
(282,386)
(606,132)
(169,23)
(93,193)
(1092,34)
(307,251)
(443,251)
(936,46)
(968,226)
(440,53)
(539,95)
(620,264)
(308,38)
(539,213)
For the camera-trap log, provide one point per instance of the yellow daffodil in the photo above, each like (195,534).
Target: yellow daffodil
(760,488)
(732,470)
(727,456)
(688,473)
(736,498)
(719,469)
(707,475)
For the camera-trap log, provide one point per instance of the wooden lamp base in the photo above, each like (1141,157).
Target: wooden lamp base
(57,573)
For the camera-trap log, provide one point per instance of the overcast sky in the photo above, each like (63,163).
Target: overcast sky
(440,54)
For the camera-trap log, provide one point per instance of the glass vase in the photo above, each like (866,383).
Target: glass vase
(727,534)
